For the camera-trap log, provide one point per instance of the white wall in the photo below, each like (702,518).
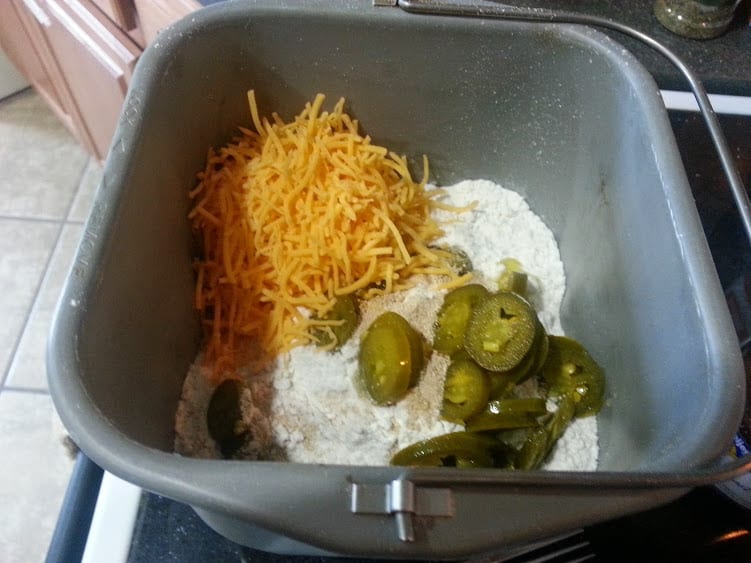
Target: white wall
(11,80)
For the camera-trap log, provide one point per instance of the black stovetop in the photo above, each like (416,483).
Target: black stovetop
(704,525)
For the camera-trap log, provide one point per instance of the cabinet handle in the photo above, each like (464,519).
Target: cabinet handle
(39,14)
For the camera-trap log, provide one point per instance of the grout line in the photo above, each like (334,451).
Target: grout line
(78,189)
(29,311)
(27,390)
(30,219)
(45,272)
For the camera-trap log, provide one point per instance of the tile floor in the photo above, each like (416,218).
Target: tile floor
(46,187)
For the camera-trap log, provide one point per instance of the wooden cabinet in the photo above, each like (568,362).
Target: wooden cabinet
(155,15)
(80,55)
(97,60)
(23,42)
(122,13)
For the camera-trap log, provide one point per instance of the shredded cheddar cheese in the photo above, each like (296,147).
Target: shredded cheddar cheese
(292,215)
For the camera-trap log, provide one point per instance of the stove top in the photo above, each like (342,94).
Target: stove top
(704,525)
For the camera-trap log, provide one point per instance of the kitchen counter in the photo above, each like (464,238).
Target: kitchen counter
(723,63)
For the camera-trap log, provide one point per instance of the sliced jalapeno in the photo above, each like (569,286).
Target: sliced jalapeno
(535,449)
(541,353)
(387,360)
(540,440)
(561,418)
(418,351)
(222,417)
(532,362)
(504,414)
(456,449)
(501,384)
(500,331)
(569,370)
(346,312)
(453,316)
(513,278)
(456,259)
(465,391)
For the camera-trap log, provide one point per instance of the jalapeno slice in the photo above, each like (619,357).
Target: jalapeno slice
(223,413)
(465,391)
(535,449)
(542,352)
(500,331)
(531,363)
(387,360)
(540,440)
(569,370)
(504,414)
(346,312)
(418,351)
(513,278)
(453,316)
(456,449)
(561,418)
(456,259)
(515,282)
(501,384)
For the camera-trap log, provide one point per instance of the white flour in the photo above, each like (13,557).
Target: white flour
(309,407)
(503,226)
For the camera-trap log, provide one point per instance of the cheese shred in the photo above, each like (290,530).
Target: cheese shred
(292,215)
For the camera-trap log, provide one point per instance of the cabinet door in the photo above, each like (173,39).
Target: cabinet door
(22,40)
(97,60)
(123,13)
(155,15)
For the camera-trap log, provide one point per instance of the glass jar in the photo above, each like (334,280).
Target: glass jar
(697,19)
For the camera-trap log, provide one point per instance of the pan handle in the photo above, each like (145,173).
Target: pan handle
(496,10)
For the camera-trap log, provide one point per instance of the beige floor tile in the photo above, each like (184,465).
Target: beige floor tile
(25,247)
(79,211)
(41,161)
(28,369)
(34,474)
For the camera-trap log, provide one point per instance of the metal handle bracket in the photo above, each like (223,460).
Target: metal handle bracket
(404,500)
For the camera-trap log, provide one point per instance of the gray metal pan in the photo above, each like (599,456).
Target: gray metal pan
(559,112)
